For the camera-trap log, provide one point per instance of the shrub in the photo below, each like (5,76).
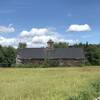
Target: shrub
(90,92)
(96,87)
(85,95)
(49,63)
(27,66)
(73,98)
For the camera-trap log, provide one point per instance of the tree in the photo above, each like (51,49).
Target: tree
(9,56)
(93,54)
(61,45)
(22,45)
(1,55)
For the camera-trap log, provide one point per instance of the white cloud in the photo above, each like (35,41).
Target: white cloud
(34,32)
(79,28)
(25,34)
(9,29)
(38,37)
(8,41)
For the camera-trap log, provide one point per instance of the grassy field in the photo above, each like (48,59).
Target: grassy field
(49,83)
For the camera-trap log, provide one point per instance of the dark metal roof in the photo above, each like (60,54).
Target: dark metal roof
(61,53)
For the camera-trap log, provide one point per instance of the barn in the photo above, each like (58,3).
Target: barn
(64,56)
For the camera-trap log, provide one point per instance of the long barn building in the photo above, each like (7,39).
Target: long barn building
(64,56)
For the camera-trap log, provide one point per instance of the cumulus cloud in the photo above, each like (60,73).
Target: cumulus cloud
(34,32)
(8,41)
(38,37)
(79,28)
(9,29)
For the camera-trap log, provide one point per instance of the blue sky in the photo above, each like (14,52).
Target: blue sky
(35,21)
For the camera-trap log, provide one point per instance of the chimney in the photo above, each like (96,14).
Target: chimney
(50,43)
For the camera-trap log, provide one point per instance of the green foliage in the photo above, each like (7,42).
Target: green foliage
(61,45)
(1,55)
(96,87)
(50,63)
(7,56)
(90,92)
(92,52)
(27,65)
(45,64)
(73,98)
(85,95)
(22,45)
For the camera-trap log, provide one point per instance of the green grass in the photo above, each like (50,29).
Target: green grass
(47,83)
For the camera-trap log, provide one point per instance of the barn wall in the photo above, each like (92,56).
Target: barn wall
(32,61)
(72,62)
(67,62)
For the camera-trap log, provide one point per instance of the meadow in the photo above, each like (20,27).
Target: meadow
(71,83)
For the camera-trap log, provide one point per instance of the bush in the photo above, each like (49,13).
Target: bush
(73,98)
(85,95)
(96,87)
(89,93)
(51,63)
(45,64)
(27,66)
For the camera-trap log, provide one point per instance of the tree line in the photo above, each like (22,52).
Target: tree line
(92,53)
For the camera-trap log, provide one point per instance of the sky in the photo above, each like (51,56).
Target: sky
(36,21)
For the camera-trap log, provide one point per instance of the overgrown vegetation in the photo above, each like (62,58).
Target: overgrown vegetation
(50,83)
(45,64)
(90,92)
